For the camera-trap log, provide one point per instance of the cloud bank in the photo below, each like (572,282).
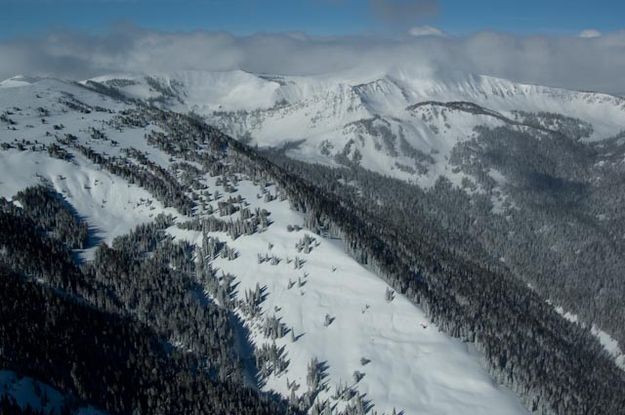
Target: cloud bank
(586,63)
(590,33)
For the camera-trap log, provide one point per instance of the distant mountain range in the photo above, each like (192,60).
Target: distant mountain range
(392,124)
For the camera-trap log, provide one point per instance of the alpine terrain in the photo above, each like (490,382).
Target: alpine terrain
(242,243)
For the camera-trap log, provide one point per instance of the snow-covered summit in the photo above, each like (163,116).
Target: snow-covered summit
(18,80)
(381,93)
(367,118)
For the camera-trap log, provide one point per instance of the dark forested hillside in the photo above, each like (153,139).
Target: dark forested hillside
(112,362)
(549,361)
(101,334)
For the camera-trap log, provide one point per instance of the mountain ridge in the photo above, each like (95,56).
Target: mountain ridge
(271,111)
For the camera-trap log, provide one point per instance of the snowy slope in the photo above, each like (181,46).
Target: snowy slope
(320,113)
(110,204)
(412,366)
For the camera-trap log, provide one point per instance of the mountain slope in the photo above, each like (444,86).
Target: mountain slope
(80,151)
(251,250)
(540,163)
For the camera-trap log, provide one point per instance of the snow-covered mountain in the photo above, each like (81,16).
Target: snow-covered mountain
(373,343)
(401,123)
(416,127)
(318,328)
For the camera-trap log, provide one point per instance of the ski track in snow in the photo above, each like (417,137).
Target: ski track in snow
(608,342)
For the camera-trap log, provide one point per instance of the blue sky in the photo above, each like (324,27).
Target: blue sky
(317,17)
(533,41)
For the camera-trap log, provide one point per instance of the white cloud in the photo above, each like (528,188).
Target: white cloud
(425,31)
(572,62)
(589,33)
